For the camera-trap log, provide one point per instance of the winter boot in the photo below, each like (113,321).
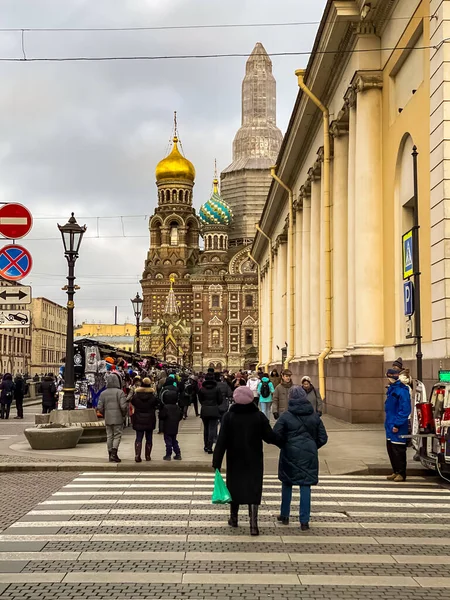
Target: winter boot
(391,477)
(234,510)
(167,457)
(177,457)
(148,451)
(304,526)
(137,451)
(283,520)
(114,457)
(110,456)
(253,514)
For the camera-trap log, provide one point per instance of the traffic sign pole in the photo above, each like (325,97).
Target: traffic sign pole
(416,259)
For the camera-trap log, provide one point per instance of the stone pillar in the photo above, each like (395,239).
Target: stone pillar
(280,332)
(306,231)
(339,130)
(351,289)
(314,276)
(298,282)
(369,214)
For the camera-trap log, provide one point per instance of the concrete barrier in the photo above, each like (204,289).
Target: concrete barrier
(53,438)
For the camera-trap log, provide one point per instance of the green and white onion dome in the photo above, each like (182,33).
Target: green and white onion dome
(216,211)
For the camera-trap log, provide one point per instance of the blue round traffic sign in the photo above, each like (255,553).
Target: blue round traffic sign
(15,262)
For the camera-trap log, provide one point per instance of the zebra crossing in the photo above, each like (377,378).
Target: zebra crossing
(156,535)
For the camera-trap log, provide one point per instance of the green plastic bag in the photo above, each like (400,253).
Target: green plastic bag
(221,495)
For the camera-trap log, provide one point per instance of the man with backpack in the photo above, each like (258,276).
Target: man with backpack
(265,391)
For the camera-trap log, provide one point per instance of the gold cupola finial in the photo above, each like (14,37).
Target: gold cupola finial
(215,180)
(175,166)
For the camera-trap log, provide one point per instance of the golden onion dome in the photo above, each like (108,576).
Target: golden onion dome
(175,166)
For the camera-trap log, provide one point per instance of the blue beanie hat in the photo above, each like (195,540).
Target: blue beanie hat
(297,393)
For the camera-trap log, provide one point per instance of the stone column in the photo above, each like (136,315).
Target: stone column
(339,130)
(350,100)
(369,214)
(314,276)
(306,231)
(280,322)
(298,280)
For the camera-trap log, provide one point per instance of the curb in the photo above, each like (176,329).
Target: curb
(159,466)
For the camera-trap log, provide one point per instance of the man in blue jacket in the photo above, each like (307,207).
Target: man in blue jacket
(397,408)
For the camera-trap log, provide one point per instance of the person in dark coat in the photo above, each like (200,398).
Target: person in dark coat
(397,410)
(6,395)
(190,394)
(301,433)
(170,415)
(47,388)
(210,398)
(19,393)
(227,394)
(145,403)
(244,428)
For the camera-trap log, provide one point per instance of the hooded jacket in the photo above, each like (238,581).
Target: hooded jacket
(300,432)
(145,404)
(113,402)
(210,398)
(170,413)
(397,409)
(271,390)
(280,397)
(47,388)
(252,383)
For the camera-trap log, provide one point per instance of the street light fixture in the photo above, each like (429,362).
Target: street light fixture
(72,234)
(137,308)
(164,330)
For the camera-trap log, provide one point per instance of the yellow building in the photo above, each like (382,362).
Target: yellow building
(105,329)
(48,339)
(330,249)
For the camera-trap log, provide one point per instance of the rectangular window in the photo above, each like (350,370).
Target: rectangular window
(249,337)
(215,301)
(249,301)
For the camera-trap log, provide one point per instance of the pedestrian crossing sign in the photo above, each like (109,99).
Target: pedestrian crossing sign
(408,262)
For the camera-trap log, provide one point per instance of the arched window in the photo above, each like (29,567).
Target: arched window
(215,337)
(174,233)
(216,242)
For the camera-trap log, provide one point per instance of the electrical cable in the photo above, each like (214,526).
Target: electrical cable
(206,56)
(177,27)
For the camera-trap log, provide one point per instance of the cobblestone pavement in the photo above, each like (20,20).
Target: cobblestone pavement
(19,492)
(156,535)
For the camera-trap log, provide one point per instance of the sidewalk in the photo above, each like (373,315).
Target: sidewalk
(350,449)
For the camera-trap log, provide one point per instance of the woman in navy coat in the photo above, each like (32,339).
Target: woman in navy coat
(300,433)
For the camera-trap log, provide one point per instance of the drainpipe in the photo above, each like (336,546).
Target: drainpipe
(290,285)
(269,239)
(326,225)
(259,310)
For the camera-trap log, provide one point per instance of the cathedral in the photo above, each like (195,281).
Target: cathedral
(201,301)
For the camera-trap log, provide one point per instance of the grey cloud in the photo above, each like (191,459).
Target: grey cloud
(87,137)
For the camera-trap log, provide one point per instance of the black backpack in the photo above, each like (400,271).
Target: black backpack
(265,389)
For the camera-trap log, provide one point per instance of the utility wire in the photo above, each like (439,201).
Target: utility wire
(203,56)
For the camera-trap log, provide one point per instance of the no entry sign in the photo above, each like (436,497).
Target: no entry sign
(15,262)
(15,221)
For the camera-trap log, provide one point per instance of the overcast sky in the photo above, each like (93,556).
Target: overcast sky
(86,137)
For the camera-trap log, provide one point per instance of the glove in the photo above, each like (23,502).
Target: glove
(276,415)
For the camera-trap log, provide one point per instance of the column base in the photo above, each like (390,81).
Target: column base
(356,387)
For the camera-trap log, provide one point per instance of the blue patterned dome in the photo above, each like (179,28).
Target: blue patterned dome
(216,211)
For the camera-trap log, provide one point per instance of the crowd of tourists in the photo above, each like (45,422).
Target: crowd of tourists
(236,411)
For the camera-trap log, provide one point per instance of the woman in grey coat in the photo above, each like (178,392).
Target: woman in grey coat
(113,406)
(313,395)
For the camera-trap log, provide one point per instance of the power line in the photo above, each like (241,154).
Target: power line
(206,56)
(178,27)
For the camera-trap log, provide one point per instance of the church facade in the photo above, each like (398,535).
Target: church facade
(201,303)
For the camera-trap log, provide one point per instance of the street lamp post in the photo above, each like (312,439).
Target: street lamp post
(72,234)
(164,329)
(137,308)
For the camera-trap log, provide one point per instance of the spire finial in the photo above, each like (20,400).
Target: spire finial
(175,126)
(215,180)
